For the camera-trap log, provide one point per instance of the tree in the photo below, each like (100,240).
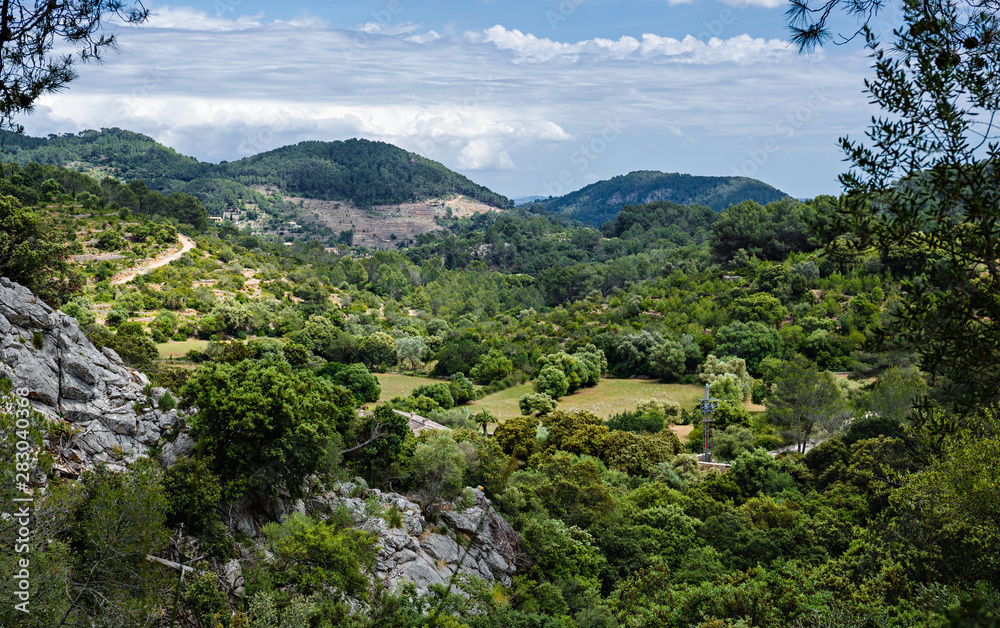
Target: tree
(551,381)
(411,349)
(377,349)
(117,519)
(531,403)
(805,398)
(462,389)
(492,367)
(30,253)
(927,179)
(759,306)
(752,341)
(29,32)
(440,393)
(438,465)
(355,378)
(312,555)
(266,425)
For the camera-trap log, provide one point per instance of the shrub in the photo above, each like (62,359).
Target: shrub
(552,382)
(440,393)
(539,403)
(166,402)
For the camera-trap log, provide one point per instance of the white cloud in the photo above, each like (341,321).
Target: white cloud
(188,19)
(528,47)
(498,101)
(482,154)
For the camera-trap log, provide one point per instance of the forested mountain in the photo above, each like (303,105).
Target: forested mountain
(361,171)
(126,155)
(599,202)
(365,172)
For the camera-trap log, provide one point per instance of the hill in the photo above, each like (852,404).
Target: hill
(362,172)
(600,202)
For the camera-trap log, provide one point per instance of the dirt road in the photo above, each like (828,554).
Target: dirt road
(126,276)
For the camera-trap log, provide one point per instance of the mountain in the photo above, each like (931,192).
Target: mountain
(600,202)
(364,172)
(361,172)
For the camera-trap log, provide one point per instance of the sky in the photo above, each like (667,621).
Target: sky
(526,97)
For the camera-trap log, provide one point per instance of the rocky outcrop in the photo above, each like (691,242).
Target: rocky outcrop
(109,406)
(474,540)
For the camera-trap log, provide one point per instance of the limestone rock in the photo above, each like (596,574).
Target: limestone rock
(477,537)
(68,379)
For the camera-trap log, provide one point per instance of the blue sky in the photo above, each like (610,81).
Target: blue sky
(524,96)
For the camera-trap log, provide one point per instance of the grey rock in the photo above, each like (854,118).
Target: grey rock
(182,446)
(76,390)
(69,377)
(441,547)
(421,571)
(79,369)
(410,553)
(123,424)
(232,577)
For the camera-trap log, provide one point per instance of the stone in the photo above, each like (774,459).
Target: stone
(183,445)
(70,378)
(411,553)
(232,577)
(441,547)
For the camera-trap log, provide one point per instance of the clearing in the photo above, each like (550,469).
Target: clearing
(178,349)
(610,396)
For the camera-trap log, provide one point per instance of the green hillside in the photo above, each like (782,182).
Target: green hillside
(365,172)
(361,171)
(123,154)
(600,202)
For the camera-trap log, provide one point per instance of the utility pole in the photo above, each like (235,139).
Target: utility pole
(708,405)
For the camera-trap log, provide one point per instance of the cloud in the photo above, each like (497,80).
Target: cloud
(497,101)
(764,4)
(482,154)
(528,47)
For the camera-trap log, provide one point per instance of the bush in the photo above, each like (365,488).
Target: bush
(311,555)
(440,393)
(462,389)
(552,382)
(491,367)
(355,378)
(166,402)
(636,421)
(538,402)
(730,443)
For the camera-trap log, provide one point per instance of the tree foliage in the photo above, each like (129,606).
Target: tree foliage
(30,31)
(265,425)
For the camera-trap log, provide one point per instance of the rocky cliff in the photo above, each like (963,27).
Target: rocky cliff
(474,540)
(110,407)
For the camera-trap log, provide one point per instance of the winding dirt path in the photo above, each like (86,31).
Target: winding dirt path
(126,276)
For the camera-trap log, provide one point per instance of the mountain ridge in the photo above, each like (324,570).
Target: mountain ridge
(364,172)
(600,202)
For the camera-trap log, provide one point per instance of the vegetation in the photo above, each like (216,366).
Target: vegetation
(859,433)
(599,202)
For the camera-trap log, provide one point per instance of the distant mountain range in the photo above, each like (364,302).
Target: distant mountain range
(600,202)
(362,172)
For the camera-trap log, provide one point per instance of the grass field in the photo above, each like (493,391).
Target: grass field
(608,397)
(174,349)
(396,385)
